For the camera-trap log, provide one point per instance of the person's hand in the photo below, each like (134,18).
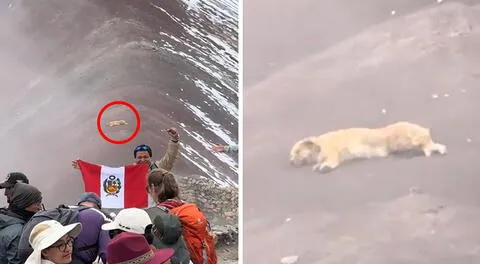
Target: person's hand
(218,148)
(75,164)
(173,133)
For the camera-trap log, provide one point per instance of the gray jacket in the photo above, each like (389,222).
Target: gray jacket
(10,230)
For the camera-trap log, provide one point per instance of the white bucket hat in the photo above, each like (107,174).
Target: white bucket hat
(45,234)
(133,220)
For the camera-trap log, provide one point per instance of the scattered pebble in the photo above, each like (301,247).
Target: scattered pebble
(384,111)
(439,1)
(469,140)
(181,89)
(434,96)
(289,260)
(288,219)
(446,95)
(415,190)
(347,238)
(393,12)
(463,90)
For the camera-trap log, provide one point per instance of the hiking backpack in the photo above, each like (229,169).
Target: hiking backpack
(196,233)
(62,214)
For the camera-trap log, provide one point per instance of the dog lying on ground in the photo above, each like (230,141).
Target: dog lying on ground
(117,123)
(329,150)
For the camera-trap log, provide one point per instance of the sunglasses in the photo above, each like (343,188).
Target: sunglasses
(142,148)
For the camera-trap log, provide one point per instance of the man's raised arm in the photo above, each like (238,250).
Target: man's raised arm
(173,150)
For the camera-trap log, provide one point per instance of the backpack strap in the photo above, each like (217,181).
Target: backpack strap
(153,165)
(209,228)
(88,247)
(163,208)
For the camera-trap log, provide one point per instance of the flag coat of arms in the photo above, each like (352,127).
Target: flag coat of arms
(122,187)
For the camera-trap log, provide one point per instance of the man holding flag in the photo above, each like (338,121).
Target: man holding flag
(124,187)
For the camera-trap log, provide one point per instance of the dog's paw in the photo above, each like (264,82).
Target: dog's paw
(321,168)
(441,149)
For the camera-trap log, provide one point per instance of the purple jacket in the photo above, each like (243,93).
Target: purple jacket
(92,241)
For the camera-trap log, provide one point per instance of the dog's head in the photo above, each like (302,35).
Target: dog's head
(304,152)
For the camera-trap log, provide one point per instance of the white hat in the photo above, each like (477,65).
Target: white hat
(45,234)
(133,220)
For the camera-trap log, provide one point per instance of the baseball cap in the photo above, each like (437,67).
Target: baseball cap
(12,178)
(133,220)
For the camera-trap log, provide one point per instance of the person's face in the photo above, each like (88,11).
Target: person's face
(114,232)
(143,157)
(34,207)
(89,204)
(61,251)
(8,194)
(153,192)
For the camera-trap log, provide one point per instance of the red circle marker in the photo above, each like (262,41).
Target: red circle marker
(99,125)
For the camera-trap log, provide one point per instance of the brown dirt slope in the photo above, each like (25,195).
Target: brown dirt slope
(61,61)
(297,29)
(424,68)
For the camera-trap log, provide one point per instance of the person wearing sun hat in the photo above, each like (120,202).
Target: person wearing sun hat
(52,242)
(133,248)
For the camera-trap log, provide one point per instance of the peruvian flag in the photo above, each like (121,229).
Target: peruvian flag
(122,187)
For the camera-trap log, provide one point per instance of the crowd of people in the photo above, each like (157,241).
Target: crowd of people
(170,230)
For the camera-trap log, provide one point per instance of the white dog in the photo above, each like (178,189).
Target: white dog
(329,150)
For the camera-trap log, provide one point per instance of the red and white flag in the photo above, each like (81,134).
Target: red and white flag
(122,187)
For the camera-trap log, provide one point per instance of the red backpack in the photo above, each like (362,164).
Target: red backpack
(196,233)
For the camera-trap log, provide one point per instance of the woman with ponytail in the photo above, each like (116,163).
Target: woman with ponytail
(195,231)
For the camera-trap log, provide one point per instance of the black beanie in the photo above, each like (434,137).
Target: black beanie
(90,197)
(24,195)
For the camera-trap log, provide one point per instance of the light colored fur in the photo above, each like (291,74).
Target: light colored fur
(329,150)
(117,123)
